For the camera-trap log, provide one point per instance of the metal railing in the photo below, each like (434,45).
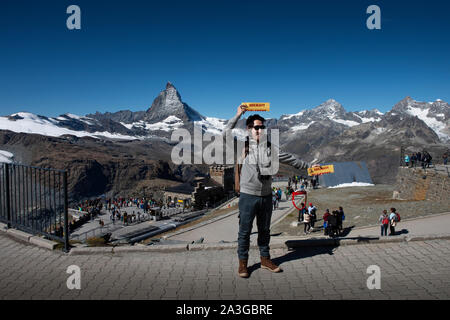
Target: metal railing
(35,200)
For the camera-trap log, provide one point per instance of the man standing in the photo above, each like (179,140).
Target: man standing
(256,190)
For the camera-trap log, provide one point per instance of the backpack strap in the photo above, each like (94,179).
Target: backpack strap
(238,167)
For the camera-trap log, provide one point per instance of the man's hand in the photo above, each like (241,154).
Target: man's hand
(241,109)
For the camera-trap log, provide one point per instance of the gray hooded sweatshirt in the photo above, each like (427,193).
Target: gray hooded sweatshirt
(257,168)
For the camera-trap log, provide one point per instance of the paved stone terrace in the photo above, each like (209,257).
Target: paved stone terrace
(409,270)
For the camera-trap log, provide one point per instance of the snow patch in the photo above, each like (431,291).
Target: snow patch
(34,124)
(352,184)
(168,124)
(289,116)
(301,127)
(348,123)
(6,157)
(433,123)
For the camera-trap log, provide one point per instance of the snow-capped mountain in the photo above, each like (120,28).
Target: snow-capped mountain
(435,114)
(168,112)
(329,110)
(67,124)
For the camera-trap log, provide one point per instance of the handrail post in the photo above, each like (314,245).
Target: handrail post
(8,196)
(66,213)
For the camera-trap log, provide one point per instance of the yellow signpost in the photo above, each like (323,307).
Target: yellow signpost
(257,106)
(315,171)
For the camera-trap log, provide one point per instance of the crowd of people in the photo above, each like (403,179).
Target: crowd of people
(302,183)
(92,208)
(332,222)
(115,207)
(140,203)
(418,158)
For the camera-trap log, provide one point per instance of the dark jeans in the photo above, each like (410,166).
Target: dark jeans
(392,230)
(384,228)
(251,206)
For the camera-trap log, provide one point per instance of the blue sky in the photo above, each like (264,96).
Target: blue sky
(293,54)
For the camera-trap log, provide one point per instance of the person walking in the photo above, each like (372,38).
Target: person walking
(312,213)
(274,200)
(384,222)
(301,213)
(306,222)
(255,188)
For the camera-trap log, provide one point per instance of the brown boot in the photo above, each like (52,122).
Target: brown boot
(243,271)
(266,263)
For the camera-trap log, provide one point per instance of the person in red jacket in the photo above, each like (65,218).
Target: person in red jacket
(325,221)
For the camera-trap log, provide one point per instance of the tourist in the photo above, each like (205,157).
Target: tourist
(255,189)
(312,213)
(445,159)
(428,159)
(384,221)
(307,222)
(393,221)
(325,221)
(301,213)
(333,224)
(413,160)
(406,160)
(340,219)
(274,200)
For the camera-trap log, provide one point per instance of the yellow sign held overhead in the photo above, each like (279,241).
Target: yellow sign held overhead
(315,171)
(257,106)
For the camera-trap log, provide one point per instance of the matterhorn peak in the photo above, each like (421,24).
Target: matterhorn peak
(169,85)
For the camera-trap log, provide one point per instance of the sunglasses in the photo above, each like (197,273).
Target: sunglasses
(259,127)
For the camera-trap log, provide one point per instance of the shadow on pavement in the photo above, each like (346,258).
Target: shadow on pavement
(295,255)
(403,231)
(345,232)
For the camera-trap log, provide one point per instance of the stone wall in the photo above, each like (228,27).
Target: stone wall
(419,184)
(223,175)
(209,195)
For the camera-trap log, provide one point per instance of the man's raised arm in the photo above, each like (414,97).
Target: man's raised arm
(289,159)
(233,121)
